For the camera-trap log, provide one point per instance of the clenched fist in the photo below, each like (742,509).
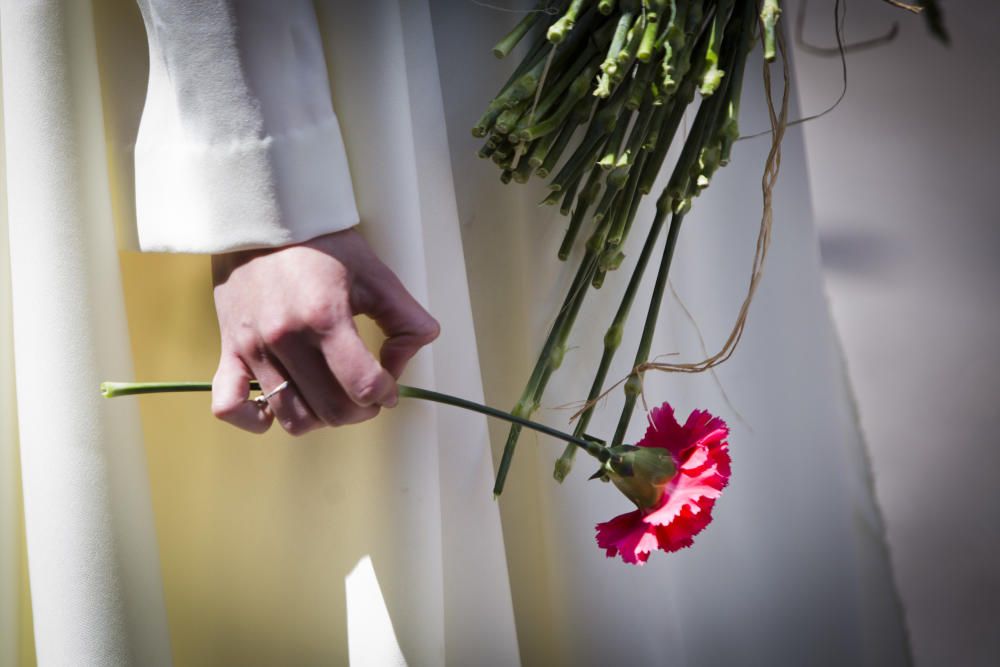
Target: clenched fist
(287,314)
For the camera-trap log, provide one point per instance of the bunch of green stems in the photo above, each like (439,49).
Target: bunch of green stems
(613,80)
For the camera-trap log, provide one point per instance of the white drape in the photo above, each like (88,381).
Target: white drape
(390,526)
(95,583)
(10,491)
(794,568)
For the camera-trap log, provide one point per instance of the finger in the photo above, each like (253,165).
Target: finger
(362,378)
(321,391)
(230,393)
(406,324)
(288,405)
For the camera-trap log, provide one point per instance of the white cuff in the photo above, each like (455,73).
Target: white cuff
(199,198)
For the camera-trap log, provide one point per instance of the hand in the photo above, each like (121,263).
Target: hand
(287,314)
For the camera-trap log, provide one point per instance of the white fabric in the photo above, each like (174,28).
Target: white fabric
(793,570)
(10,491)
(95,583)
(238,146)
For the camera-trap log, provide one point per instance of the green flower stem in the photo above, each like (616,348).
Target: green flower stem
(575,79)
(505,45)
(569,178)
(523,79)
(603,124)
(523,171)
(730,128)
(487,150)
(666,132)
(577,91)
(664,138)
(639,88)
(620,223)
(633,386)
(564,25)
(711,74)
(569,197)
(769,14)
(591,448)
(679,187)
(553,197)
(116,389)
(581,158)
(554,347)
(688,38)
(673,40)
(543,146)
(612,341)
(583,202)
(614,143)
(539,48)
(579,116)
(625,20)
(715,129)
(640,129)
(648,44)
(610,204)
(528,402)
(626,57)
(636,199)
(508,118)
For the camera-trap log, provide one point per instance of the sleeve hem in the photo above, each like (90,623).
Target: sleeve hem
(266,192)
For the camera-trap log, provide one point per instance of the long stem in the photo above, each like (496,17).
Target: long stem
(115,389)
(530,397)
(512,38)
(612,341)
(633,384)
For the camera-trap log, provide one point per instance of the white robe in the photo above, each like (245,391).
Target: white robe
(381,542)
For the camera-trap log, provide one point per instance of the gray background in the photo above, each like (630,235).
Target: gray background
(904,181)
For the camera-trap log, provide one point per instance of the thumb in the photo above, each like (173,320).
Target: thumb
(230,393)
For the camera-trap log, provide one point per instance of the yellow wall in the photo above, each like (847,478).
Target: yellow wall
(240,587)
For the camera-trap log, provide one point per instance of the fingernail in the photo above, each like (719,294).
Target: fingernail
(391,401)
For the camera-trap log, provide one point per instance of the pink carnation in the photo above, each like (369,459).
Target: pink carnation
(701,455)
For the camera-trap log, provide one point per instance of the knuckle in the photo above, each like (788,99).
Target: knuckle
(320,316)
(277,335)
(368,389)
(244,340)
(366,393)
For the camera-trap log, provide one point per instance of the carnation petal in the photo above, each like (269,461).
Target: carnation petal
(627,535)
(701,454)
(689,491)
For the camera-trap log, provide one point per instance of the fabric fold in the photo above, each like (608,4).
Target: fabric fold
(92,555)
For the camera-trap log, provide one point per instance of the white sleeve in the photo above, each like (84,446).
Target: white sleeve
(238,146)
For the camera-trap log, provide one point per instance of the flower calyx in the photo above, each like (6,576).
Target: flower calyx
(641,473)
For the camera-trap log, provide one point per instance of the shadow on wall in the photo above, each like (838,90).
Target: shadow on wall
(861,254)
